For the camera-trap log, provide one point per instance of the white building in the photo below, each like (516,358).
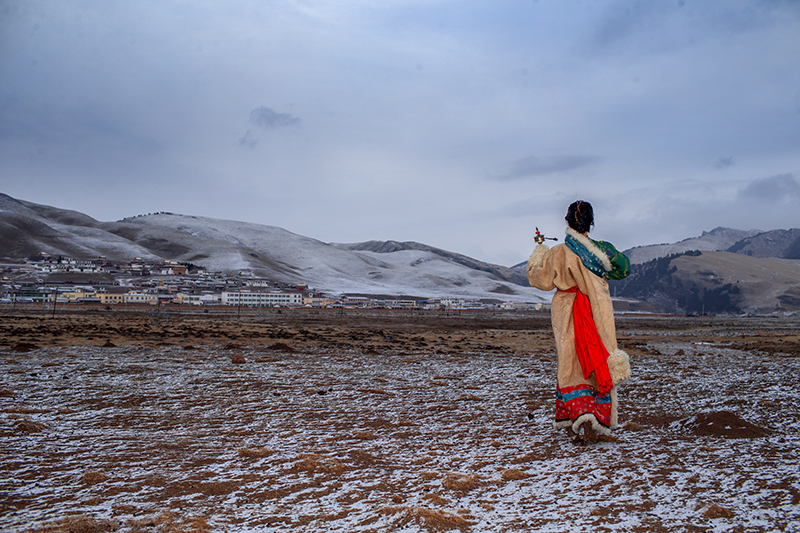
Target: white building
(515,305)
(198,299)
(453,303)
(141,298)
(262,299)
(258,283)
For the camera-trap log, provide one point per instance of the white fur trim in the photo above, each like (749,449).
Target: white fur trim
(619,366)
(591,247)
(537,257)
(598,427)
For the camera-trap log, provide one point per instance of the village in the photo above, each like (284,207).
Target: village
(52,280)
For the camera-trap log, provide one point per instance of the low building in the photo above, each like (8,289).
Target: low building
(197,299)
(452,303)
(258,283)
(141,298)
(108,298)
(356,302)
(309,300)
(171,268)
(515,306)
(401,304)
(262,299)
(78,295)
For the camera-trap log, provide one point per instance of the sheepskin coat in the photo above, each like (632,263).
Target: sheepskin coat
(560,268)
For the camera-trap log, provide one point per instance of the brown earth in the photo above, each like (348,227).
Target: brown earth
(345,420)
(446,331)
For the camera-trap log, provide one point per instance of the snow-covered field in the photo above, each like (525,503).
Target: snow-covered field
(412,438)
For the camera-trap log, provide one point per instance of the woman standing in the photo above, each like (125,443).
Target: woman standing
(590,364)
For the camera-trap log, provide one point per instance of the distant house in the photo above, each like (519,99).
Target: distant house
(309,300)
(356,302)
(106,298)
(514,305)
(401,304)
(258,283)
(67,265)
(171,268)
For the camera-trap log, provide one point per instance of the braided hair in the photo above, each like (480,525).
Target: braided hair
(580,216)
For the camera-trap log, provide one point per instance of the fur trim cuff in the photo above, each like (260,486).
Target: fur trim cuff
(537,257)
(598,427)
(614,405)
(619,366)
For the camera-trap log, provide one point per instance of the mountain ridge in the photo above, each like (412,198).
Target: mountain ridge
(722,271)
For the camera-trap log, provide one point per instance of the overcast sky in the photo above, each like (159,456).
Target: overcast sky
(461,124)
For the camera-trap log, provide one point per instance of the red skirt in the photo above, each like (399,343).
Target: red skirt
(573,402)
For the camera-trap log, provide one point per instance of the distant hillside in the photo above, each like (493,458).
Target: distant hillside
(714,283)
(777,243)
(716,240)
(26,229)
(383,247)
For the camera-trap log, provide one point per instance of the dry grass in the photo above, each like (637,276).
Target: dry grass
(430,519)
(436,499)
(313,463)
(78,524)
(716,511)
(93,477)
(513,474)
(169,522)
(461,482)
(256,453)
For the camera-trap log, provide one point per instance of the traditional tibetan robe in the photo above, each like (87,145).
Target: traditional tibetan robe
(590,365)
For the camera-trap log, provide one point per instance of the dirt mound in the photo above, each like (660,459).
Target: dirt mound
(280,347)
(719,424)
(29,426)
(24,347)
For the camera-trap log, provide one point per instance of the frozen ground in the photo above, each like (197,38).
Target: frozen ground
(433,438)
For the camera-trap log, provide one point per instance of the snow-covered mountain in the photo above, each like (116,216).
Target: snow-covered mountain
(26,229)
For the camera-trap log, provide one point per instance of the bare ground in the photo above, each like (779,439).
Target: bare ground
(386,421)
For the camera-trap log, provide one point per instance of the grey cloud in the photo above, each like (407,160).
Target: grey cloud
(775,189)
(269,119)
(657,27)
(248,140)
(618,25)
(724,162)
(533,166)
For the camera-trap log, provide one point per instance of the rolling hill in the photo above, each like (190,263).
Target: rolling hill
(388,268)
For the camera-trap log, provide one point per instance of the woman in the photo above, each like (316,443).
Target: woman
(590,364)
